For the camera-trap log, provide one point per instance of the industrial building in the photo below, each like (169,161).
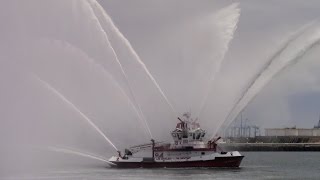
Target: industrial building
(273,135)
(275,139)
(292,132)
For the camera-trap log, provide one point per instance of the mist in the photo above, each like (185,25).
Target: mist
(131,71)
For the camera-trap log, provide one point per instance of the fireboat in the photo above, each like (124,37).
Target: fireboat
(189,149)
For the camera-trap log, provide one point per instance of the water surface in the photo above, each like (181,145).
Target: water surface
(256,165)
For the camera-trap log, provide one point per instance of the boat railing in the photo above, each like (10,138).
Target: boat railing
(141,147)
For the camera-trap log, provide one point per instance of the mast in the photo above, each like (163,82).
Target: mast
(153,144)
(319,122)
(241,124)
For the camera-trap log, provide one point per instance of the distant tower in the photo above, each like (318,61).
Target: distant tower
(317,126)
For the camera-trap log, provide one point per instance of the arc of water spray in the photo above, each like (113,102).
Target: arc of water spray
(109,76)
(139,114)
(120,65)
(231,28)
(108,19)
(291,38)
(263,78)
(48,86)
(78,153)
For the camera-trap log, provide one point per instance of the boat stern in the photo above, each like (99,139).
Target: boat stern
(113,161)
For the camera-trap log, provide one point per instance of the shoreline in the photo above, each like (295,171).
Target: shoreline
(270,146)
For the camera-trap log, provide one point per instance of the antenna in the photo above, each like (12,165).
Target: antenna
(317,126)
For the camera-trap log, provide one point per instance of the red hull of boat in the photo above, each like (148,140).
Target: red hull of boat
(217,162)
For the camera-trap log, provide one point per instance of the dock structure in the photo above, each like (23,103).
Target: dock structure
(274,139)
(242,127)
(271,146)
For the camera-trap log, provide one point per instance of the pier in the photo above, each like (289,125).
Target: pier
(270,146)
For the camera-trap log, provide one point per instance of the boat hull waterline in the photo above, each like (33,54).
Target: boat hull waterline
(222,162)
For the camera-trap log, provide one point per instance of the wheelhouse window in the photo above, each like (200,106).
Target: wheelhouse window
(198,136)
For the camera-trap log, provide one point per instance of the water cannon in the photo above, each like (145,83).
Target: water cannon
(153,144)
(119,154)
(217,139)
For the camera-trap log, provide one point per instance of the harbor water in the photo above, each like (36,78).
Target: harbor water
(255,165)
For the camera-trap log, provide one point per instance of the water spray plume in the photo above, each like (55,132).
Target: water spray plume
(109,21)
(301,42)
(95,18)
(285,45)
(139,114)
(78,153)
(53,90)
(229,16)
(110,77)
